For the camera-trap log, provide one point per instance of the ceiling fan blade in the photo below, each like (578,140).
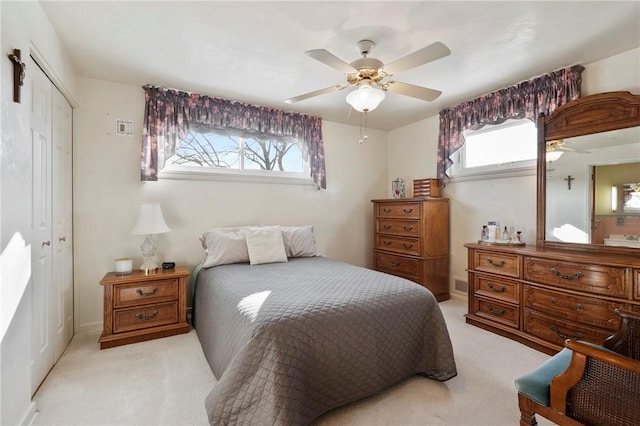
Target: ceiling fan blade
(430,53)
(315,93)
(331,60)
(407,89)
(570,149)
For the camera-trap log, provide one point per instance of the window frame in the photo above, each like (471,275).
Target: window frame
(459,172)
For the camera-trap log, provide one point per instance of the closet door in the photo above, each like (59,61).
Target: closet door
(41,228)
(51,238)
(62,241)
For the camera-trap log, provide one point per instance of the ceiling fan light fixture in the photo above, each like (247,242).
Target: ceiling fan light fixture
(366,98)
(553,155)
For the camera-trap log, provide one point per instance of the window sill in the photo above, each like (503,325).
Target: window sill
(494,174)
(234,177)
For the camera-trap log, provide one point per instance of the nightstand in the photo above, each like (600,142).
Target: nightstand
(143,306)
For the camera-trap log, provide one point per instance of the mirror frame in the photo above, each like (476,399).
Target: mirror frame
(597,113)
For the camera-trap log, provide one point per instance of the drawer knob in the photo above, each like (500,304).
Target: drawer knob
(394,263)
(408,227)
(580,307)
(386,243)
(496,289)
(497,312)
(143,317)
(386,210)
(407,245)
(499,264)
(407,210)
(142,293)
(555,329)
(554,300)
(386,226)
(557,273)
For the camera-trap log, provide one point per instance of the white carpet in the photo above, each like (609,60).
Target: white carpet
(165,382)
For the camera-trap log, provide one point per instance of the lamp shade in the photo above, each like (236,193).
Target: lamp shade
(366,98)
(150,220)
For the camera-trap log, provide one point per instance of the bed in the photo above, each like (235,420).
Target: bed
(289,341)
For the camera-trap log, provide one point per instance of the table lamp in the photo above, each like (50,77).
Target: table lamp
(150,221)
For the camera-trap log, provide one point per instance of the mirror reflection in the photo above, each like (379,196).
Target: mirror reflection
(592,190)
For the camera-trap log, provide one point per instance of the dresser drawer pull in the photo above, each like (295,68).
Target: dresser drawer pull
(555,272)
(496,289)
(494,263)
(143,317)
(408,227)
(554,300)
(407,210)
(580,307)
(386,210)
(564,336)
(394,263)
(386,243)
(142,293)
(497,312)
(386,226)
(407,245)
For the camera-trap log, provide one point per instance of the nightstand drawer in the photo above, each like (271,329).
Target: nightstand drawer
(144,293)
(145,317)
(398,244)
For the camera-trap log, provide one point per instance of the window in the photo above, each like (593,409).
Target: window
(495,149)
(211,152)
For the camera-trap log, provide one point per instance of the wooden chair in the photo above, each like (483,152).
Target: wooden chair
(587,384)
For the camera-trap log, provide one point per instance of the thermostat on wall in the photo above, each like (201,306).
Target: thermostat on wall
(124,127)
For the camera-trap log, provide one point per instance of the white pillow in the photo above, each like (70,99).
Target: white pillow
(299,241)
(223,246)
(265,245)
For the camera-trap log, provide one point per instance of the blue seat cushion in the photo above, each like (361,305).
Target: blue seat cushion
(536,385)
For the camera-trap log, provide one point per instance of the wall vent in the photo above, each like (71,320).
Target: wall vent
(461,285)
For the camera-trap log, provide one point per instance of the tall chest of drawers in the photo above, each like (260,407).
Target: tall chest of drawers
(541,297)
(411,240)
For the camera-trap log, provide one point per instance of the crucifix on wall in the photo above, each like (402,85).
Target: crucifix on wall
(18,73)
(569,179)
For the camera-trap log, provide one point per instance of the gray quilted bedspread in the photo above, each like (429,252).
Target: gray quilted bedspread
(291,341)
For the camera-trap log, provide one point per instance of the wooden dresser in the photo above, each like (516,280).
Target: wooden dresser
(541,296)
(412,241)
(140,306)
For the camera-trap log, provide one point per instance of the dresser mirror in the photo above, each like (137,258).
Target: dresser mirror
(588,174)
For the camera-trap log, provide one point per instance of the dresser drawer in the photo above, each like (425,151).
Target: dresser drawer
(597,279)
(497,311)
(398,265)
(407,228)
(400,210)
(506,264)
(557,331)
(496,288)
(585,310)
(145,317)
(398,244)
(143,293)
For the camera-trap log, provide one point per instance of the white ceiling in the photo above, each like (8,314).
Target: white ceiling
(253,52)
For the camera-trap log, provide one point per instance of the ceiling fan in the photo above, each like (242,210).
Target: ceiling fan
(370,75)
(556,148)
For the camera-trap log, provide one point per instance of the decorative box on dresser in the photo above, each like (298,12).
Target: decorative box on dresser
(142,306)
(412,241)
(542,296)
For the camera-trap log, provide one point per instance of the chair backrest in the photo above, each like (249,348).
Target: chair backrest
(626,341)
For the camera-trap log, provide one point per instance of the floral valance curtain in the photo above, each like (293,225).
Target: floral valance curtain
(529,99)
(169,114)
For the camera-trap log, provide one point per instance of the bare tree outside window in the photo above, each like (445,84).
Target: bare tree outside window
(240,153)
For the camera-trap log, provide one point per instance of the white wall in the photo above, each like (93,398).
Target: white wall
(512,201)
(24,27)
(107,191)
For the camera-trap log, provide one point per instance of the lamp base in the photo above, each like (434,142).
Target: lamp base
(148,265)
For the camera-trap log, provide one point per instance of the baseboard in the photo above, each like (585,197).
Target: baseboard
(89,328)
(458,295)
